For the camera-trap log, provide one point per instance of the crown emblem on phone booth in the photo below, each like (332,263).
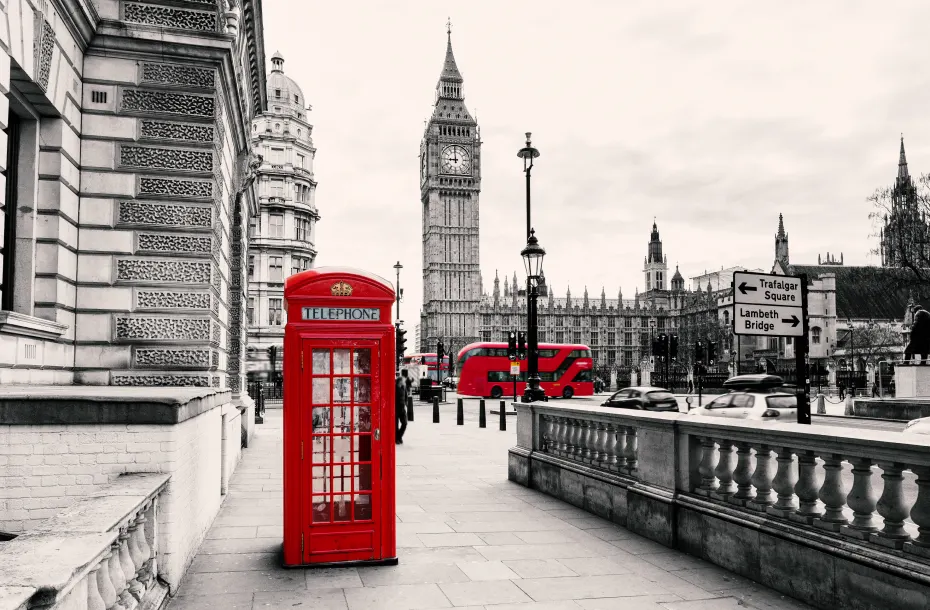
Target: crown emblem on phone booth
(341,289)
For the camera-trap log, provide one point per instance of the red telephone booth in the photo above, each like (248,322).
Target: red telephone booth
(339,504)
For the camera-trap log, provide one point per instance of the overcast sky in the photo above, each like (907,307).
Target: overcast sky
(712,117)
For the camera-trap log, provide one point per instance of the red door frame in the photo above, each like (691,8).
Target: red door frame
(300,335)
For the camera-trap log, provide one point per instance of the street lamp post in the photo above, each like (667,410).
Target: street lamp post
(398,267)
(533,255)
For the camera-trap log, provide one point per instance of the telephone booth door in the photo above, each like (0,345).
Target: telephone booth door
(341,430)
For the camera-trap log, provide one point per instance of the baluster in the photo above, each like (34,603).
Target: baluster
(784,481)
(726,461)
(129,570)
(586,440)
(611,450)
(630,449)
(563,436)
(920,513)
(892,508)
(742,475)
(601,446)
(569,437)
(145,551)
(762,479)
(151,542)
(544,434)
(94,600)
(136,555)
(832,494)
(806,489)
(104,585)
(861,498)
(706,468)
(117,577)
(577,438)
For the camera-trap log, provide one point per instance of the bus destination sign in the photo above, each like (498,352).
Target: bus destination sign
(342,314)
(767,305)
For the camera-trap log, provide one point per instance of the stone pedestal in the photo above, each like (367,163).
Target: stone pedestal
(912,381)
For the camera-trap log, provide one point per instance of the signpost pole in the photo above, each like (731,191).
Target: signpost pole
(800,356)
(514,377)
(699,376)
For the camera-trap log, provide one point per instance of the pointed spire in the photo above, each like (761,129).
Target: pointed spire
(781,227)
(450,71)
(902,163)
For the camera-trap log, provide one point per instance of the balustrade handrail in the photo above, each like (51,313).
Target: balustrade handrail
(105,539)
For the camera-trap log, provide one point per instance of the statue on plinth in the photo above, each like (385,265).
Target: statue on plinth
(920,336)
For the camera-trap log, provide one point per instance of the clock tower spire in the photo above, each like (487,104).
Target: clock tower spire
(450,183)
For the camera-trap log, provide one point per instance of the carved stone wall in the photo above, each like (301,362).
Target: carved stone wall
(170,130)
(163,299)
(172,358)
(162,329)
(166,214)
(197,381)
(170,187)
(166,158)
(166,102)
(150,270)
(176,244)
(175,74)
(170,17)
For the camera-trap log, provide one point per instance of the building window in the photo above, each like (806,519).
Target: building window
(277,188)
(254,226)
(276,225)
(277,156)
(300,161)
(8,214)
(660,324)
(593,322)
(277,93)
(815,335)
(274,312)
(276,269)
(302,229)
(251,267)
(594,338)
(541,336)
(595,356)
(610,322)
(611,338)
(611,356)
(296,99)
(485,335)
(576,337)
(559,336)
(298,264)
(627,357)
(577,322)
(628,338)
(628,322)
(250,312)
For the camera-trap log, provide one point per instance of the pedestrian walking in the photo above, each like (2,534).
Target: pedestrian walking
(874,390)
(842,388)
(400,408)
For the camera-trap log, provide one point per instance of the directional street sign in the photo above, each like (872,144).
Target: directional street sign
(768,305)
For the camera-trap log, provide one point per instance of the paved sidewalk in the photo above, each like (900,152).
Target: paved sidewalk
(467,538)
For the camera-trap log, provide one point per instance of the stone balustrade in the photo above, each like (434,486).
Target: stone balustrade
(99,554)
(768,501)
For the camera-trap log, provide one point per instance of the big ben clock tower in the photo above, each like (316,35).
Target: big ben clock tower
(450,182)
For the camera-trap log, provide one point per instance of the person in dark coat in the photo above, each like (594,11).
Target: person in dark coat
(400,408)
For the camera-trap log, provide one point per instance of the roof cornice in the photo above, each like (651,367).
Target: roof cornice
(81,19)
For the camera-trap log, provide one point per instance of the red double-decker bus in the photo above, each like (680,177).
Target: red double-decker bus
(428,365)
(564,370)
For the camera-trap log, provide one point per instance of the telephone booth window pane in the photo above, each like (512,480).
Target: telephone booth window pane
(363,477)
(321,362)
(321,449)
(320,420)
(342,478)
(321,479)
(362,362)
(342,507)
(341,362)
(363,419)
(342,448)
(342,420)
(364,448)
(362,389)
(362,507)
(341,391)
(321,390)
(321,509)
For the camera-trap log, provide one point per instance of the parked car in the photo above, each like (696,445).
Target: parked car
(645,398)
(761,405)
(760,384)
(450,382)
(918,426)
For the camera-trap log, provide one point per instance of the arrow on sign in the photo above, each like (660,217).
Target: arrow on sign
(793,320)
(743,288)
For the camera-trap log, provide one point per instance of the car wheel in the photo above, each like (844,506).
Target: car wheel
(496,392)
(568,392)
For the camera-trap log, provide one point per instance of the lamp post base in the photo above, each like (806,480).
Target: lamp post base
(533,395)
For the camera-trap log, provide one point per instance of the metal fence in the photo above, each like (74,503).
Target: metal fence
(262,392)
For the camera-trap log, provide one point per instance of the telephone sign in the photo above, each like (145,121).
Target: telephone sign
(339,342)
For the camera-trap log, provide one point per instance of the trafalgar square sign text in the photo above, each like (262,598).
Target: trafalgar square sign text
(768,305)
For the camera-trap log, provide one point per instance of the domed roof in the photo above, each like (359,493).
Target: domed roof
(677,275)
(290,92)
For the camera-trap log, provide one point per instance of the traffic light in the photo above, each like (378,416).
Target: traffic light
(440,354)
(521,345)
(663,345)
(699,351)
(512,345)
(673,347)
(711,354)
(655,347)
(401,342)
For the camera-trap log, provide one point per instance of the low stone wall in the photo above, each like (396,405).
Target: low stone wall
(904,409)
(749,497)
(59,444)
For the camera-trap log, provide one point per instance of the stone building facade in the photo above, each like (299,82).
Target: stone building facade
(127,190)
(905,231)
(282,236)
(450,185)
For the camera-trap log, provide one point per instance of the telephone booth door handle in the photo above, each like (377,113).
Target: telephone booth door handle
(377,434)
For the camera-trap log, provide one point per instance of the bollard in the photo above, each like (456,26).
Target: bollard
(435,409)
(410,408)
(460,414)
(482,415)
(503,415)
(821,405)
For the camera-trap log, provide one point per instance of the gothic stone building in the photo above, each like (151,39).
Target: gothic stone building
(127,189)
(283,234)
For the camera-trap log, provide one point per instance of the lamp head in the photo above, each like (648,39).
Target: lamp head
(533,255)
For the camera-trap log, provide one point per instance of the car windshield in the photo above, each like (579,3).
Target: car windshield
(781,402)
(660,396)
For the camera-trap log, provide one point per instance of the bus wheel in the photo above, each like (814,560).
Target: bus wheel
(568,392)
(496,392)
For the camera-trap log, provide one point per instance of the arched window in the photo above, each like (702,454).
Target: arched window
(815,335)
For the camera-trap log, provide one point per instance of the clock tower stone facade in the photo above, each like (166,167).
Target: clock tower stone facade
(450,183)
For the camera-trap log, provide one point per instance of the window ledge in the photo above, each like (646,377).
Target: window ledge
(13,323)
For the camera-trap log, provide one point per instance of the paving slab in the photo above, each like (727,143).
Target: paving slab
(467,538)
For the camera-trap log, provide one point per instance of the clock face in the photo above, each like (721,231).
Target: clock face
(422,166)
(456,160)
